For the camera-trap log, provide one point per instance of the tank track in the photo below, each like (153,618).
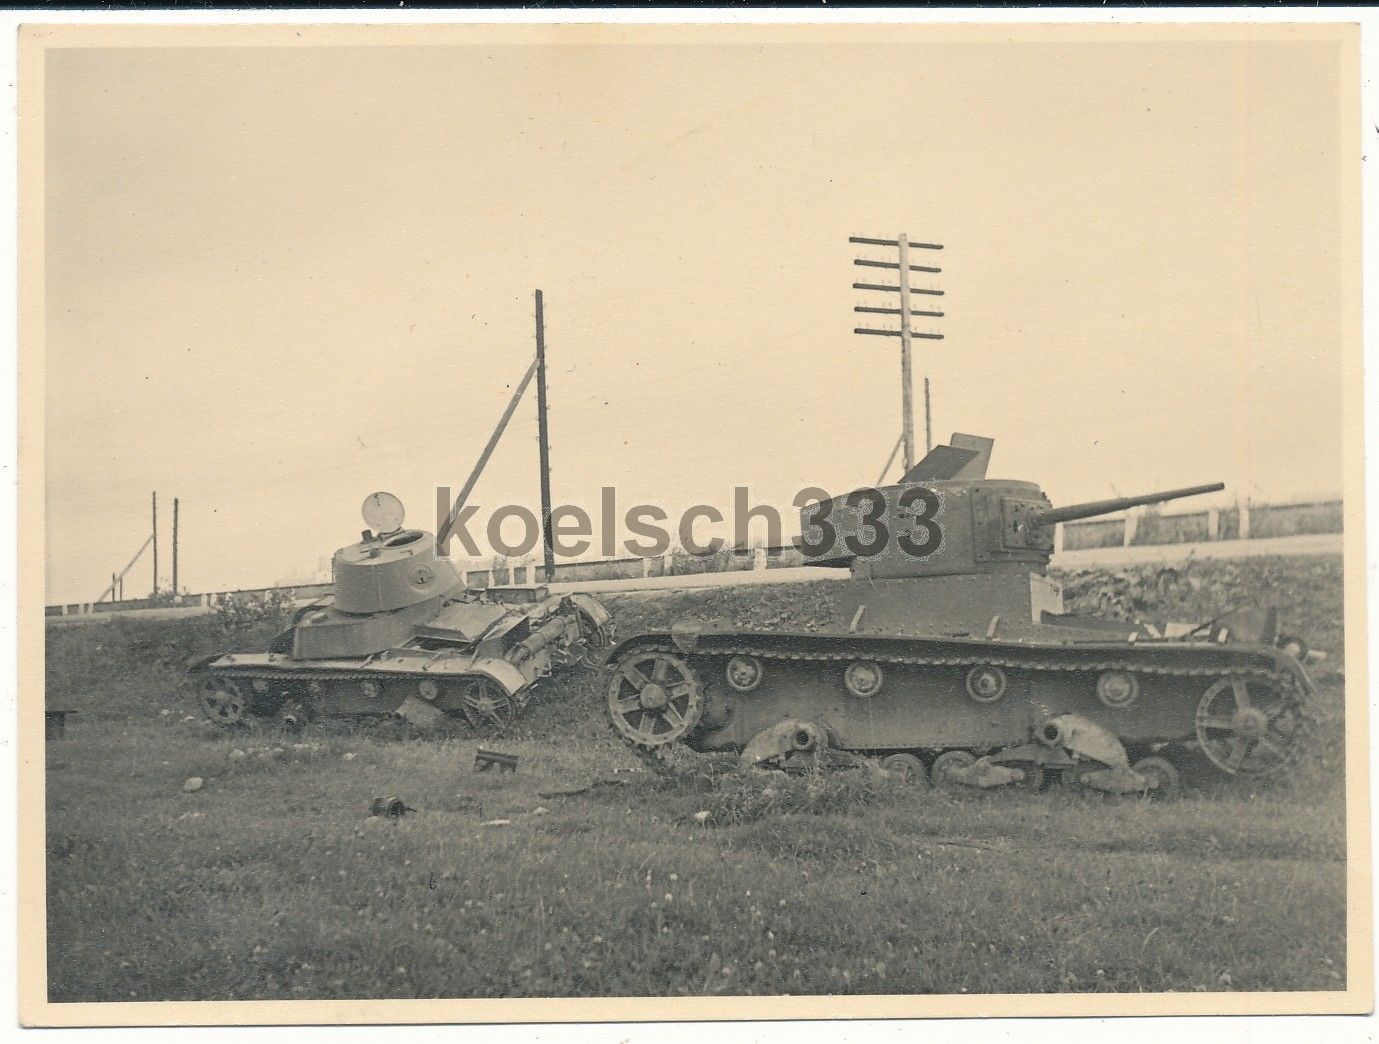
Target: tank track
(1285,681)
(1014,663)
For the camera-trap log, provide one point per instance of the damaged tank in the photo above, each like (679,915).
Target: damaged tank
(951,658)
(401,635)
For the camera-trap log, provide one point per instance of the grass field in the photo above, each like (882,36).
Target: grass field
(272,881)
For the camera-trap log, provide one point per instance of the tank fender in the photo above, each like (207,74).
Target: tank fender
(591,607)
(1286,662)
(505,674)
(200,663)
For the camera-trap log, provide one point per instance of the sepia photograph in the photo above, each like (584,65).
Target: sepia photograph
(587,521)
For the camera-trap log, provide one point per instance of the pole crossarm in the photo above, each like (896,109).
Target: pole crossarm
(892,311)
(896,333)
(895,243)
(893,265)
(904,314)
(896,289)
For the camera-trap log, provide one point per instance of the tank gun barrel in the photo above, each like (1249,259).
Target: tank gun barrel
(1073,512)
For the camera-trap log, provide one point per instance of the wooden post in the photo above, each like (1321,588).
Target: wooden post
(548,545)
(174,547)
(1243,505)
(1132,521)
(155,545)
(928,420)
(443,492)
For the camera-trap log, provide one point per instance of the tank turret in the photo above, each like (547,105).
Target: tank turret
(945,518)
(391,567)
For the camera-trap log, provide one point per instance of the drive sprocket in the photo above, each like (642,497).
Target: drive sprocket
(654,699)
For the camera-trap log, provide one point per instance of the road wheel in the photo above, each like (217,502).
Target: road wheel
(908,767)
(1164,775)
(946,762)
(487,706)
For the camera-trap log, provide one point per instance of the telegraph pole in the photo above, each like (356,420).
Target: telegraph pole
(906,333)
(174,541)
(928,422)
(548,545)
(907,408)
(155,544)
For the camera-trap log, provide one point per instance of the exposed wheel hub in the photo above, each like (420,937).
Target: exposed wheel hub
(1250,723)
(653,697)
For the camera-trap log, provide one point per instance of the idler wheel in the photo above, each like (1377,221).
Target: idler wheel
(906,766)
(654,698)
(223,701)
(1162,772)
(487,706)
(1247,727)
(946,762)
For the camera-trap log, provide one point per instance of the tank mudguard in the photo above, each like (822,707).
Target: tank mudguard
(592,607)
(505,674)
(202,662)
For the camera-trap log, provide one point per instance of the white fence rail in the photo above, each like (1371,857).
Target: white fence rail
(1137,528)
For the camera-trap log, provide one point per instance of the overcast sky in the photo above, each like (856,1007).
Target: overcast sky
(281,278)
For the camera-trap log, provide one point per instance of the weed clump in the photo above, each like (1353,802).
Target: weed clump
(748,795)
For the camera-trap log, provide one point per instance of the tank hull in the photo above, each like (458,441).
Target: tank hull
(920,696)
(467,655)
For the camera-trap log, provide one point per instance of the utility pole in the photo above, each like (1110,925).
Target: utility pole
(904,313)
(928,421)
(548,545)
(155,544)
(174,535)
(907,406)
